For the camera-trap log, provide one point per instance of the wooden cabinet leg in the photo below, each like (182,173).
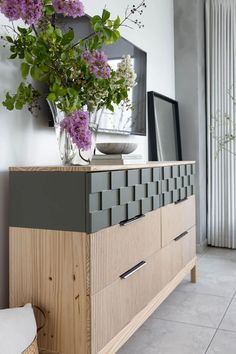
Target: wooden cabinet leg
(194,274)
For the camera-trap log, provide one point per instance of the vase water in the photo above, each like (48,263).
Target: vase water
(69,152)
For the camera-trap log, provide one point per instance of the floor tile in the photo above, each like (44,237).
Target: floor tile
(216,266)
(211,284)
(199,309)
(165,337)
(223,343)
(229,321)
(225,253)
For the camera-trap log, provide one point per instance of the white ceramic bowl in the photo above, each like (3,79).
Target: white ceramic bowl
(116,148)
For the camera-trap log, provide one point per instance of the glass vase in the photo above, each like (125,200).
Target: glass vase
(69,152)
(85,157)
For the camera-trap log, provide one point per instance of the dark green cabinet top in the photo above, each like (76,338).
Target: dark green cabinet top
(87,201)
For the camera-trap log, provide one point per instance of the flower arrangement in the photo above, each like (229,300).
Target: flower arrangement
(79,77)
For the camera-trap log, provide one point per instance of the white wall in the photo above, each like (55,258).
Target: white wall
(25,140)
(190,92)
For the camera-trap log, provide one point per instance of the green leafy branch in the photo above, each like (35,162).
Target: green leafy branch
(25,94)
(50,56)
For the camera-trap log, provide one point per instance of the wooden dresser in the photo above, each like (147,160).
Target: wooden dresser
(99,248)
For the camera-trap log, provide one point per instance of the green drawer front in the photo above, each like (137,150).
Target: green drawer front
(116,196)
(177,183)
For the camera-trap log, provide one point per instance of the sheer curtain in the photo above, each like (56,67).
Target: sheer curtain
(221,83)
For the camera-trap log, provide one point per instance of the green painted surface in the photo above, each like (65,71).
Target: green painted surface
(88,202)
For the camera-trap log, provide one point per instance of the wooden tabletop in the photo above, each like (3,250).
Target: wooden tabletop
(96,168)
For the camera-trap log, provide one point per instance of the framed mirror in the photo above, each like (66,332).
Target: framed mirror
(164,130)
(123,121)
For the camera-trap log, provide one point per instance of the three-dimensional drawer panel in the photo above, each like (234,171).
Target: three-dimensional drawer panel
(115,196)
(114,307)
(177,218)
(177,254)
(177,183)
(118,248)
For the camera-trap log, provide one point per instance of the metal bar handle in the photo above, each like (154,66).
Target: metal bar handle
(133,270)
(181,236)
(130,221)
(181,200)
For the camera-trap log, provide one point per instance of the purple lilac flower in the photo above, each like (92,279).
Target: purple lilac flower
(77,126)
(73,8)
(98,64)
(30,11)
(11,9)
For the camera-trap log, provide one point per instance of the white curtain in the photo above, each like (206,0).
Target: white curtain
(221,83)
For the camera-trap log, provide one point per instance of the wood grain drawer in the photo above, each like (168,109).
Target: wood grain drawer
(177,255)
(118,248)
(188,251)
(177,218)
(115,306)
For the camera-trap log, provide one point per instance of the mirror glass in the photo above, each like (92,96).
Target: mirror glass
(164,134)
(122,121)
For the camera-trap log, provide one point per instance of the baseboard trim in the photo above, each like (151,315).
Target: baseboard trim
(201,247)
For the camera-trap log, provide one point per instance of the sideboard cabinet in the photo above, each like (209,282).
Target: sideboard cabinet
(99,248)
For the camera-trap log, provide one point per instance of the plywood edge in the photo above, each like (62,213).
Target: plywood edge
(18,228)
(121,338)
(96,168)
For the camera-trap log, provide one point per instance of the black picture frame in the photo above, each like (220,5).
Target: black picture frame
(164,143)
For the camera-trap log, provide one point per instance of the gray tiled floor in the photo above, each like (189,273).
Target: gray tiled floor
(196,318)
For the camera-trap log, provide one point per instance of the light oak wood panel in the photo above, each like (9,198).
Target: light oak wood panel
(176,255)
(115,306)
(171,262)
(116,249)
(188,243)
(94,168)
(176,219)
(121,338)
(49,269)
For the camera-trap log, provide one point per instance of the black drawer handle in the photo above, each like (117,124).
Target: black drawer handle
(181,236)
(181,201)
(133,270)
(130,221)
